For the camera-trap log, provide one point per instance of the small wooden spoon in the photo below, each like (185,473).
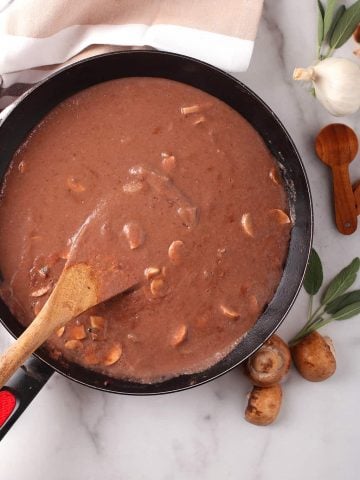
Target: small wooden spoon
(337,146)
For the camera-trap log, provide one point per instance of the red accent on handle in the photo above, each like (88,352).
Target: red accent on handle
(7,405)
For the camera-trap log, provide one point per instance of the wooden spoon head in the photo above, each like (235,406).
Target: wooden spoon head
(76,290)
(336,144)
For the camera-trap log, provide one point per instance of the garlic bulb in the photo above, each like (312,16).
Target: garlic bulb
(336,82)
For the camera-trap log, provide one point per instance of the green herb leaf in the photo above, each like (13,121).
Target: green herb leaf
(346,26)
(329,15)
(347,312)
(314,274)
(341,282)
(339,13)
(320,23)
(342,301)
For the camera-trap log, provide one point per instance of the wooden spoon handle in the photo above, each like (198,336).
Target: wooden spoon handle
(75,292)
(344,200)
(34,336)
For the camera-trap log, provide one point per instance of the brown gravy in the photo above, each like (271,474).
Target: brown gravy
(214,250)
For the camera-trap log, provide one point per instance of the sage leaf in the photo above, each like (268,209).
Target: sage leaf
(329,15)
(320,23)
(341,282)
(314,274)
(345,26)
(342,301)
(347,312)
(339,13)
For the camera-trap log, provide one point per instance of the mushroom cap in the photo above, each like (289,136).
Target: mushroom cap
(263,405)
(314,357)
(270,363)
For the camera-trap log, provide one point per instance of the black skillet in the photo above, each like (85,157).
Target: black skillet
(35,104)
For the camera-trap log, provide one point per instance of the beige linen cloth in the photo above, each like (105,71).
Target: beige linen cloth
(39,36)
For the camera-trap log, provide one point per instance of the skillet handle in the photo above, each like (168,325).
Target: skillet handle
(20,390)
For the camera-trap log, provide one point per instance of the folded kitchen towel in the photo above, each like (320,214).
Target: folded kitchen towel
(39,36)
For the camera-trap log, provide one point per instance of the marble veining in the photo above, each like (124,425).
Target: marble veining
(72,432)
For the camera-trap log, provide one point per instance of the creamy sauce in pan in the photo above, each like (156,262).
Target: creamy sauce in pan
(183,188)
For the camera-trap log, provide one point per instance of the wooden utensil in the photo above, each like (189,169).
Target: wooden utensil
(76,291)
(99,267)
(336,146)
(90,276)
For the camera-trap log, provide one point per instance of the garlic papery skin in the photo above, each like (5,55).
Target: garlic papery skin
(336,82)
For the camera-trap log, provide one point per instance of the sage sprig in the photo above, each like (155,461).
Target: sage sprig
(335,25)
(336,303)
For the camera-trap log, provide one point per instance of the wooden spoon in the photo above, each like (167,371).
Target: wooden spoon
(91,276)
(336,146)
(76,291)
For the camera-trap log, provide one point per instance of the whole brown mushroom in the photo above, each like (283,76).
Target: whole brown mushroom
(263,405)
(314,357)
(269,365)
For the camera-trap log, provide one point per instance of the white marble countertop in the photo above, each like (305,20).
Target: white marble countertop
(72,432)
